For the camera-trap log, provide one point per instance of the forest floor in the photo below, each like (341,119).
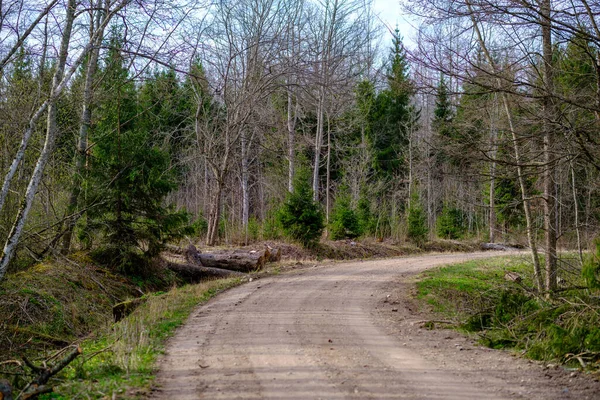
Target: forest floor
(345,330)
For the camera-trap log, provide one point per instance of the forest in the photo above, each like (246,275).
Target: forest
(127,124)
(143,142)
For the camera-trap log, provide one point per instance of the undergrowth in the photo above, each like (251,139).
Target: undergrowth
(121,360)
(508,314)
(58,303)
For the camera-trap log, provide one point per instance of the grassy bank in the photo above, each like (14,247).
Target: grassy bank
(70,302)
(121,360)
(507,314)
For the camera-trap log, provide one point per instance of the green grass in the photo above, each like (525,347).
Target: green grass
(121,360)
(505,314)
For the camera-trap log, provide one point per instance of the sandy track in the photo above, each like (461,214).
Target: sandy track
(331,332)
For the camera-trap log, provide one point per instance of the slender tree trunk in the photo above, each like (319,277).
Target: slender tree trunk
(51,133)
(576,208)
(245,144)
(493,146)
(215,214)
(328,179)
(548,137)
(410,168)
(318,143)
(82,144)
(291,126)
(517,151)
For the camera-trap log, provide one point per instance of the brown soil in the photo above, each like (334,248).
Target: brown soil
(346,330)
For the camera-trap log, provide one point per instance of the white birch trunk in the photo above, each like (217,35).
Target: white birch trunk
(51,133)
(520,174)
(82,143)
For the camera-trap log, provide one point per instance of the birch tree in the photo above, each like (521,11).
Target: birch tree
(61,79)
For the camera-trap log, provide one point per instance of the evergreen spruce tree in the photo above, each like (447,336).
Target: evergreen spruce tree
(129,178)
(300,217)
(344,222)
(451,223)
(391,115)
(417,221)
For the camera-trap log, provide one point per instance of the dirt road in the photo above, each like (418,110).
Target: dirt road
(343,331)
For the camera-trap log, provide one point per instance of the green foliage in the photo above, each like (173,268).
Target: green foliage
(271,228)
(300,216)
(505,315)
(253,229)
(344,222)
(199,226)
(391,114)
(509,212)
(451,223)
(417,221)
(366,220)
(590,271)
(129,178)
(127,352)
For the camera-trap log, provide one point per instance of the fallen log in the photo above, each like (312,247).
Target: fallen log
(237,260)
(58,342)
(196,273)
(497,246)
(175,249)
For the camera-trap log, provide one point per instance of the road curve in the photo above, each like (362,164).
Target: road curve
(317,334)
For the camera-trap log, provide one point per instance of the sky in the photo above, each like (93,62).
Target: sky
(390,14)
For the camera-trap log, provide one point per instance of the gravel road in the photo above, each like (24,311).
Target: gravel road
(344,331)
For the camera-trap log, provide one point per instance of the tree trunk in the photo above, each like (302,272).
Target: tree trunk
(328,178)
(82,144)
(550,166)
(245,144)
(492,220)
(197,273)
(517,151)
(576,208)
(240,261)
(291,125)
(215,214)
(318,144)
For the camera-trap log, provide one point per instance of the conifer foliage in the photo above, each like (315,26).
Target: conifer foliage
(300,216)
(344,221)
(129,177)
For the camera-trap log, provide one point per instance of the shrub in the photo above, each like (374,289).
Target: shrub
(450,223)
(301,218)
(271,228)
(591,268)
(344,221)
(253,229)
(366,221)
(417,221)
